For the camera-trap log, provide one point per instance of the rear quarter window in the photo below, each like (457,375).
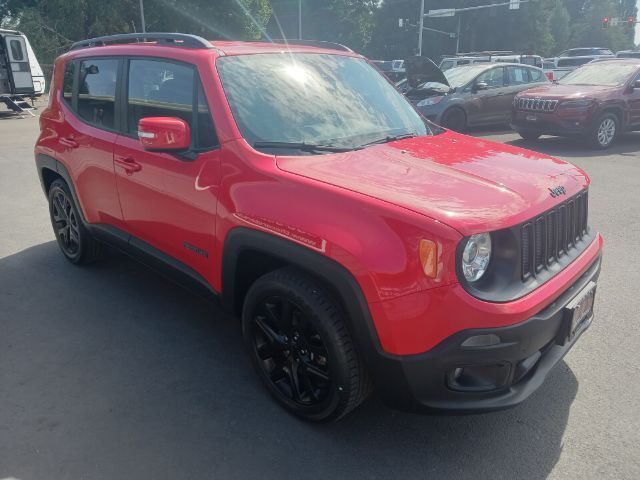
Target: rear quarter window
(536,75)
(67,81)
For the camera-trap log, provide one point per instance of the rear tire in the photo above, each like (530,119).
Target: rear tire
(530,136)
(605,131)
(74,240)
(455,119)
(301,348)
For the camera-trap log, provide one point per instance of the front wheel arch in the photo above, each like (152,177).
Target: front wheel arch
(460,113)
(339,281)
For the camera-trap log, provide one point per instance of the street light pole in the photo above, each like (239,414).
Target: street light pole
(144,27)
(299,19)
(458,35)
(419,29)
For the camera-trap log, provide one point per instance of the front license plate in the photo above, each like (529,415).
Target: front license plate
(531,118)
(580,310)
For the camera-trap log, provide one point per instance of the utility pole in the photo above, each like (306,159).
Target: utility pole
(419,29)
(144,27)
(299,19)
(450,12)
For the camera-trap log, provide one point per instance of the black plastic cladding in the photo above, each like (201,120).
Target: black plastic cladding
(529,254)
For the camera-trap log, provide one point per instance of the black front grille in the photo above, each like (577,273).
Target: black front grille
(553,234)
(537,104)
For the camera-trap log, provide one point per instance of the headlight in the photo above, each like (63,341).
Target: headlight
(577,103)
(476,256)
(429,101)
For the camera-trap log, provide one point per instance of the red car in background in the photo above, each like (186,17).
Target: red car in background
(362,246)
(598,102)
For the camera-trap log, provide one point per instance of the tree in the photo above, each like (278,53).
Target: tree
(350,22)
(52,25)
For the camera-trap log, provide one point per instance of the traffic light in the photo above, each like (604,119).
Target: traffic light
(631,22)
(605,22)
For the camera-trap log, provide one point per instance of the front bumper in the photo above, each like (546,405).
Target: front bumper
(526,353)
(569,124)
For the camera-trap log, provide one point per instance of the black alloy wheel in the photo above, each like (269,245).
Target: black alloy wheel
(65,223)
(301,348)
(291,351)
(74,240)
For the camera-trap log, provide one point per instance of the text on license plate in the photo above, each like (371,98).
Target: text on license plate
(580,310)
(531,118)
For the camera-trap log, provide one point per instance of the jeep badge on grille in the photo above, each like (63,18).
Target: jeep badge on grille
(557,191)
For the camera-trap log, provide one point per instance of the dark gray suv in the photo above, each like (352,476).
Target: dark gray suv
(480,94)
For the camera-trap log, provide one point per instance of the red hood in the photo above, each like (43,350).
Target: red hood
(472,185)
(566,92)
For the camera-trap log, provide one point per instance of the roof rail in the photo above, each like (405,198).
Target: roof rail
(176,39)
(313,43)
(10,32)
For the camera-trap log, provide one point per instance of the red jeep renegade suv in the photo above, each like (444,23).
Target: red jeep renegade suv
(361,245)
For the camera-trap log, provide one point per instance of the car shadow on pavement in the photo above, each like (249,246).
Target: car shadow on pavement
(110,371)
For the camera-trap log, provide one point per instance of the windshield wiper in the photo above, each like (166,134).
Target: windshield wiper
(305,147)
(389,138)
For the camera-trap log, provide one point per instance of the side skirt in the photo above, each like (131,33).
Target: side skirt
(165,265)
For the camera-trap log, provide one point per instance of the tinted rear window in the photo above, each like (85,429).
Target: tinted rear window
(97,91)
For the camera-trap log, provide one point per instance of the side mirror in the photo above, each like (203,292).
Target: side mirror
(164,134)
(481,86)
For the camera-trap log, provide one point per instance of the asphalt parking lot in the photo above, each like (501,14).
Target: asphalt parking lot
(111,372)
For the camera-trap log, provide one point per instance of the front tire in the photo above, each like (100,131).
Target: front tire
(605,131)
(530,136)
(300,346)
(455,119)
(74,240)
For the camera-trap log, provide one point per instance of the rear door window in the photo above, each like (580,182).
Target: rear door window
(536,75)
(97,92)
(518,75)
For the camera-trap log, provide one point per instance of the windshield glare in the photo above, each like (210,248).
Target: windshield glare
(458,77)
(597,74)
(314,98)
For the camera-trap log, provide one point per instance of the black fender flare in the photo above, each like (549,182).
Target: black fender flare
(45,162)
(340,282)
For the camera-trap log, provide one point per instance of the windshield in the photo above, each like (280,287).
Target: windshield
(597,74)
(314,99)
(459,77)
(446,65)
(580,52)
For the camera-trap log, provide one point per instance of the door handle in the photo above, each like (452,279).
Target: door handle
(68,142)
(129,164)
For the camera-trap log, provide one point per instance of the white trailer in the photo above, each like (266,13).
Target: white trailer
(20,73)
